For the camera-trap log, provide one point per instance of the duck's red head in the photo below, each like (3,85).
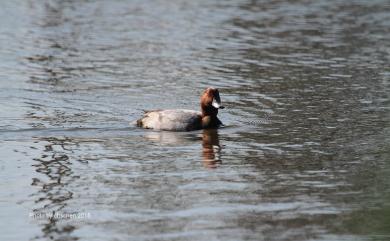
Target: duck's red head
(210,102)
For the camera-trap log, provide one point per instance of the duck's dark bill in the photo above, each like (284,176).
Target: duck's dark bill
(217,105)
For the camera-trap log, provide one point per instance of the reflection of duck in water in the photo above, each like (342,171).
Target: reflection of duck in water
(211,149)
(172,138)
(186,120)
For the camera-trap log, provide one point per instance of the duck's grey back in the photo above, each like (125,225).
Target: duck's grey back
(172,120)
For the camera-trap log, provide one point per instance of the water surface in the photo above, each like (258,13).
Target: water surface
(304,154)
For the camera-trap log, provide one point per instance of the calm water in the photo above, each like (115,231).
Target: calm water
(305,154)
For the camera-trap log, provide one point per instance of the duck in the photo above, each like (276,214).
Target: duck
(183,119)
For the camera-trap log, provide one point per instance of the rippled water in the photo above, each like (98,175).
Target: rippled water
(304,154)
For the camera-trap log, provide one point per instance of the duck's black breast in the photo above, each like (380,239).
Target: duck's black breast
(210,122)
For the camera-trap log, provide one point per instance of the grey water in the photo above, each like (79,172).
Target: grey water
(304,154)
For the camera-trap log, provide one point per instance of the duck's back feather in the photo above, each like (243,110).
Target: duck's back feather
(172,120)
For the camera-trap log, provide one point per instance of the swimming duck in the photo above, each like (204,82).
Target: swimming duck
(186,120)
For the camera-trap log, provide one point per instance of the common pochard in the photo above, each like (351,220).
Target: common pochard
(186,120)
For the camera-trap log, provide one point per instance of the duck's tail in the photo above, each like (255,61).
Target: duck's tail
(139,122)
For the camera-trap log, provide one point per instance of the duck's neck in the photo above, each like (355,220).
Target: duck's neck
(209,110)
(209,117)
